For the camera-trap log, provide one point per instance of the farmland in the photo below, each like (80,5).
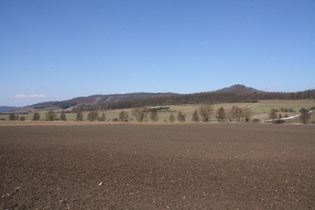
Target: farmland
(157,166)
(260,110)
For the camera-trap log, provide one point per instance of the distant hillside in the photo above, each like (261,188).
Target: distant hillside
(108,99)
(98,101)
(7,108)
(233,94)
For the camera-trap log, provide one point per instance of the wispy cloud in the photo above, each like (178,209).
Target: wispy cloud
(29,96)
(37,96)
(20,96)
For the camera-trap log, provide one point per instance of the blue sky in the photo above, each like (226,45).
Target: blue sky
(56,49)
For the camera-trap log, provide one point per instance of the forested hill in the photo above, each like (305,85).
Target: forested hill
(94,101)
(234,94)
(238,89)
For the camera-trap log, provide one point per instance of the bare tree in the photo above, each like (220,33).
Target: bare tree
(154,115)
(240,114)
(237,113)
(247,113)
(79,116)
(123,116)
(92,116)
(102,117)
(181,117)
(195,116)
(36,116)
(12,117)
(51,116)
(305,115)
(63,116)
(273,114)
(171,118)
(220,114)
(205,111)
(140,113)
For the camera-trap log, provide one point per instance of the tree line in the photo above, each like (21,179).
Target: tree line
(305,115)
(203,113)
(199,98)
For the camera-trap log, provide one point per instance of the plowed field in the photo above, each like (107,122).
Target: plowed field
(156,166)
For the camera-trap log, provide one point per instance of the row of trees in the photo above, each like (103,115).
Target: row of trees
(204,113)
(305,116)
(50,116)
(16,117)
(141,114)
(234,114)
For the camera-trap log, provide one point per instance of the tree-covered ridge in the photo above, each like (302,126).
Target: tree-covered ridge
(214,98)
(233,94)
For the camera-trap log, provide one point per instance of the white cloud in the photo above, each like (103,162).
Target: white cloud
(37,96)
(20,96)
(29,96)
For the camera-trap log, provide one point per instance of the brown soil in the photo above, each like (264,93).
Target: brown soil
(140,166)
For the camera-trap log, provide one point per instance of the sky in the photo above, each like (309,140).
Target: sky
(52,50)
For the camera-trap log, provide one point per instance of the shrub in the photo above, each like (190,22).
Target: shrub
(22,118)
(181,117)
(278,121)
(154,115)
(63,116)
(256,120)
(195,116)
(273,114)
(79,116)
(305,115)
(171,118)
(102,117)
